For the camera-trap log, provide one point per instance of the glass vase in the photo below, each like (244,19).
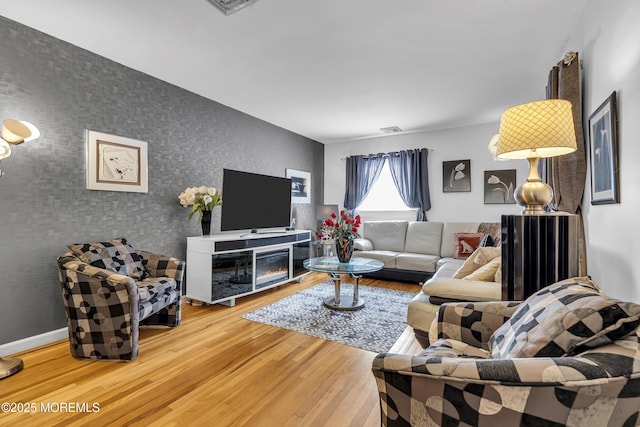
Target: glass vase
(344,250)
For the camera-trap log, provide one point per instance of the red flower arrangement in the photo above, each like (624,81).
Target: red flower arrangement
(340,229)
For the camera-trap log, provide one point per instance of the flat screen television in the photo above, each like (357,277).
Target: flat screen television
(252,201)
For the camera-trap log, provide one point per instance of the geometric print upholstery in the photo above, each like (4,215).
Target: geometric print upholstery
(564,319)
(115,255)
(151,287)
(105,309)
(446,385)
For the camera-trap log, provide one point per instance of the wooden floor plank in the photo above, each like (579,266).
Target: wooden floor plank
(214,369)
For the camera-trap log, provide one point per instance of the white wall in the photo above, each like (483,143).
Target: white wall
(449,144)
(607,39)
(609,43)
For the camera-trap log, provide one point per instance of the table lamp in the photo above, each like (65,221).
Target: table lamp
(533,131)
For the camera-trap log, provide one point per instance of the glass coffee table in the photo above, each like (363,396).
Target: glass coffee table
(355,268)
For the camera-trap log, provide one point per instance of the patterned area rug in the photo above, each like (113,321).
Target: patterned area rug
(376,327)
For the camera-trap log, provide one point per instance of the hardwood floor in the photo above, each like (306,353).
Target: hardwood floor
(215,369)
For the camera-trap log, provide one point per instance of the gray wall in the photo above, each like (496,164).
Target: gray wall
(44,205)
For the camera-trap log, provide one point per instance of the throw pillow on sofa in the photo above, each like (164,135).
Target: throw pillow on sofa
(480,257)
(466,244)
(486,273)
(114,255)
(564,319)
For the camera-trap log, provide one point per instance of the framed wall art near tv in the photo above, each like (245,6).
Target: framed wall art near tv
(499,186)
(603,143)
(300,186)
(456,176)
(116,163)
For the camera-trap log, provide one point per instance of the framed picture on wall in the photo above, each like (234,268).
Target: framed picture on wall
(456,176)
(603,143)
(115,163)
(300,186)
(499,186)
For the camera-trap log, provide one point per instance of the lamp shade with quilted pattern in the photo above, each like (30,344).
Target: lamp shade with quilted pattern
(537,129)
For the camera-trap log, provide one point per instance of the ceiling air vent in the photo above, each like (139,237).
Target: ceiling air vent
(391,129)
(229,6)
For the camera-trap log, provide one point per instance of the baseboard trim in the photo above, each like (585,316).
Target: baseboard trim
(33,342)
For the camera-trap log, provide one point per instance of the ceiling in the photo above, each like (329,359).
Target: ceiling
(331,70)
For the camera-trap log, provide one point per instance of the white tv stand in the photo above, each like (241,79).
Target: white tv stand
(223,267)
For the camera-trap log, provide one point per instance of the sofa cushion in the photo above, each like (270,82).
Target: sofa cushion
(487,272)
(480,257)
(563,319)
(466,244)
(386,235)
(424,237)
(493,230)
(447,248)
(114,255)
(388,258)
(417,262)
(462,290)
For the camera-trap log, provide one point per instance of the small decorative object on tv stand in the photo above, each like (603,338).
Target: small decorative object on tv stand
(223,267)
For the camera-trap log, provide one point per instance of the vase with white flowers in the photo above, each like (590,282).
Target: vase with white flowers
(203,199)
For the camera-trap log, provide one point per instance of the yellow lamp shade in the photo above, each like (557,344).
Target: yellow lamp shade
(537,129)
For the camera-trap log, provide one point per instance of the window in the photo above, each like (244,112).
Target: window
(384,195)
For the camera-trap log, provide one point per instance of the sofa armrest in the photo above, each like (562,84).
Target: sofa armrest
(163,266)
(362,244)
(473,322)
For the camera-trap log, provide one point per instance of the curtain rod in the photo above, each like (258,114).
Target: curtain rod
(395,153)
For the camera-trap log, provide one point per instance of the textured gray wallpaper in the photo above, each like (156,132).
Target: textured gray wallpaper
(65,90)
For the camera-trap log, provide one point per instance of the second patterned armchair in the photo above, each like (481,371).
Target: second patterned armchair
(109,290)
(568,355)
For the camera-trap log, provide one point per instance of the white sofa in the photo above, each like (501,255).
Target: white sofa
(413,250)
(478,286)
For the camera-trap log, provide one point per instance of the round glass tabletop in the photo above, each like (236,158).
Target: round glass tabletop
(330,265)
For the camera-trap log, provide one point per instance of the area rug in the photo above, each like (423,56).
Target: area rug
(376,327)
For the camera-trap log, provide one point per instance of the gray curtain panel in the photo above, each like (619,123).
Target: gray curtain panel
(566,174)
(362,172)
(411,177)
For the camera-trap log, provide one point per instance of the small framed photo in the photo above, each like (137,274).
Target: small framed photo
(499,186)
(300,186)
(456,176)
(603,143)
(115,163)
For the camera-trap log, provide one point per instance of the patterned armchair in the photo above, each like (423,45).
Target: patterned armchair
(568,355)
(109,290)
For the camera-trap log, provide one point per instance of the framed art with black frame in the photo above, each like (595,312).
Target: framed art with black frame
(456,176)
(603,143)
(499,186)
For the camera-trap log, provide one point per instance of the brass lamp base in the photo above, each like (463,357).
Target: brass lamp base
(533,194)
(10,366)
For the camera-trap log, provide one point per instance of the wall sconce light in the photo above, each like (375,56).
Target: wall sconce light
(533,131)
(15,132)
